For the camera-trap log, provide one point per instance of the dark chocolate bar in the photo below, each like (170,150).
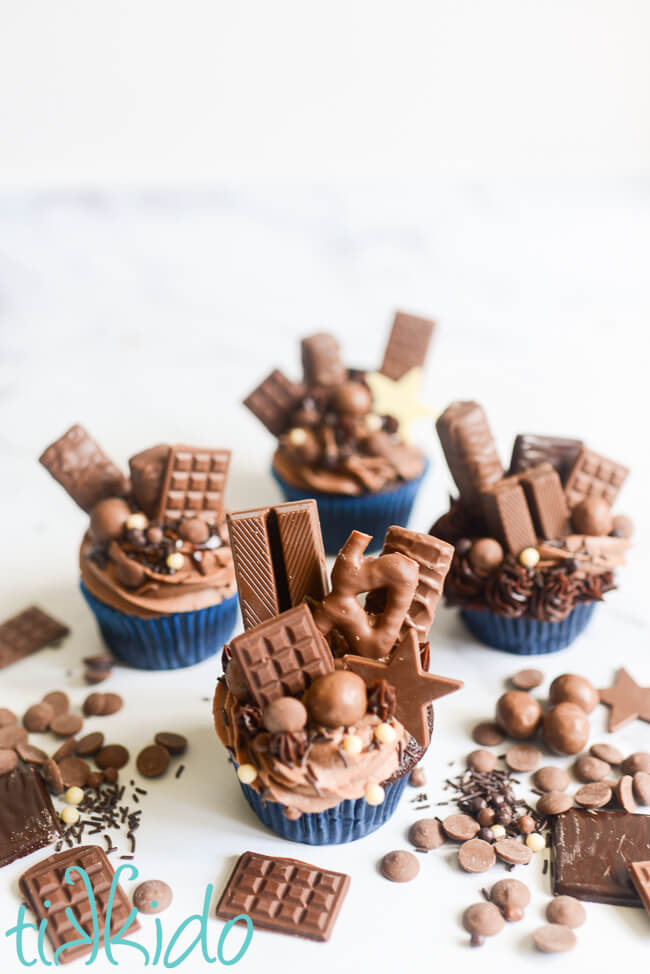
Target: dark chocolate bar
(470,450)
(529,450)
(407,346)
(26,632)
(83,469)
(27,818)
(274,400)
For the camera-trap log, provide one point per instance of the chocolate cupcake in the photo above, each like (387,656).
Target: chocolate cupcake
(343,433)
(536,547)
(156,565)
(325,705)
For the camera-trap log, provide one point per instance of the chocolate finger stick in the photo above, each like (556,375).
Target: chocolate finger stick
(407,345)
(352,575)
(469,449)
(321,361)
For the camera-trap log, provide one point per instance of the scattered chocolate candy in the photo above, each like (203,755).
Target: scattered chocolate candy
(418,778)
(58,700)
(68,747)
(570,688)
(8,760)
(174,743)
(102,704)
(337,699)
(152,761)
(607,752)
(113,756)
(487,734)
(526,824)
(512,897)
(30,754)
(594,795)
(523,757)
(550,778)
(482,920)
(518,714)
(38,717)
(588,768)
(400,866)
(285,715)
(90,744)
(7,717)
(460,828)
(639,761)
(554,939)
(554,803)
(513,851)
(566,728)
(535,842)
(65,725)
(427,834)
(567,911)
(592,515)
(53,777)
(641,787)
(527,679)
(485,555)
(152,896)
(625,793)
(74,771)
(476,856)
(481,760)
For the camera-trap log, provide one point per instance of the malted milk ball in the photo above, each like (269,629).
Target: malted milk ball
(574,689)
(592,515)
(353,398)
(108,517)
(286,715)
(485,555)
(566,728)
(518,714)
(337,699)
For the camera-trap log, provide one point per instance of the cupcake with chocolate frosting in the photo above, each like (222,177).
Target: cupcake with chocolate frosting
(344,434)
(536,548)
(325,705)
(155,561)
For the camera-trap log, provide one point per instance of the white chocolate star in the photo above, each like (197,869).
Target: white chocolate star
(399,398)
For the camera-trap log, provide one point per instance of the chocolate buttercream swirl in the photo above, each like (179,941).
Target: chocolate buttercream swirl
(249,720)
(508,591)
(554,595)
(382,700)
(592,588)
(289,748)
(464,585)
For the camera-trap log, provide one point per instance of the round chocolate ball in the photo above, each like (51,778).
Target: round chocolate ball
(155,534)
(129,573)
(108,517)
(485,555)
(337,699)
(518,714)
(566,728)
(353,398)
(286,715)
(194,529)
(622,526)
(592,515)
(236,681)
(576,689)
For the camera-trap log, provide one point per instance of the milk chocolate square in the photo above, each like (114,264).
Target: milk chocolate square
(594,476)
(407,346)
(194,484)
(274,400)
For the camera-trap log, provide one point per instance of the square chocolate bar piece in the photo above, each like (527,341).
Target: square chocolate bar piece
(531,449)
(274,400)
(507,515)
(26,632)
(546,500)
(194,484)
(594,476)
(407,346)
(284,895)
(27,818)
(83,469)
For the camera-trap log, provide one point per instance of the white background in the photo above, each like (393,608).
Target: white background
(185,192)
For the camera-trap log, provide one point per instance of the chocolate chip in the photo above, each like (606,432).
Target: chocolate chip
(482,920)
(487,734)
(7,717)
(523,757)
(53,777)
(554,803)
(513,851)
(418,779)
(102,704)
(152,761)
(625,793)
(550,778)
(64,725)
(174,743)
(476,856)
(606,752)
(512,897)
(58,700)
(90,744)
(38,717)
(595,795)
(460,828)
(152,896)
(8,760)
(112,756)
(567,911)
(527,679)
(426,833)
(587,768)
(481,760)
(554,939)
(399,866)
(30,754)
(74,772)
(641,787)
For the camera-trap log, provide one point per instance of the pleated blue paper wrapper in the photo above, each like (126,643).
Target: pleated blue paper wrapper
(528,637)
(371,513)
(349,820)
(166,642)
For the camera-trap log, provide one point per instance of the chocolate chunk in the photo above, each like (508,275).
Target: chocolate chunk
(8,760)
(152,896)
(546,501)
(274,401)
(147,475)
(594,476)
(321,361)
(513,852)
(102,704)
(550,778)
(476,856)
(194,484)
(530,450)
(174,743)
(65,725)
(399,866)
(152,761)
(459,827)
(469,449)
(282,656)
(640,876)
(523,757)
(567,911)
(554,803)
(52,899)
(38,717)
(112,756)
(83,469)
(594,795)
(284,895)
(507,515)
(74,772)
(26,632)
(90,744)
(591,853)
(554,939)
(527,679)
(27,819)
(487,734)
(407,346)
(426,833)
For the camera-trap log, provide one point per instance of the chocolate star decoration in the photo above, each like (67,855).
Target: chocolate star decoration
(627,699)
(414,688)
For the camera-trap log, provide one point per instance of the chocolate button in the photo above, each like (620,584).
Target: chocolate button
(476,856)
(481,760)
(512,898)
(90,744)
(487,734)
(174,743)
(10,736)
(65,725)
(400,866)
(8,760)
(65,750)
(588,768)
(625,793)
(53,777)
(113,756)
(513,851)
(567,911)
(30,754)
(554,803)
(74,772)
(426,833)
(595,795)
(639,761)
(460,828)
(606,752)
(38,717)
(554,939)
(152,896)
(7,717)
(641,787)
(527,679)
(152,761)
(550,778)
(523,757)
(102,704)
(58,700)
(482,920)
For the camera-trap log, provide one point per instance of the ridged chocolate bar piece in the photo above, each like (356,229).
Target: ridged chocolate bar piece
(321,361)
(530,449)
(83,469)
(45,888)
(148,470)
(470,450)
(27,818)
(284,895)
(279,558)
(507,516)
(282,656)
(592,850)
(407,346)
(433,558)
(194,484)
(640,876)
(273,401)
(594,476)
(26,632)
(546,501)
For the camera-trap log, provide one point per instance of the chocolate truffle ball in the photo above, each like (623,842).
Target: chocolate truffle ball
(574,689)
(285,715)
(353,398)
(592,515)
(622,527)
(518,714)
(107,519)
(485,555)
(337,699)
(566,728)
(194,529)
(236,681)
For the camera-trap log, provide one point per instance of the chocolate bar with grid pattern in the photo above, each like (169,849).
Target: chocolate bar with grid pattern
(26,632)
(194,484)
(27,818)
(531,449)
(82,468)
(407,346)
(274,400)
(284,895)
(433,558)
(49,895)
(470,450)
(546,501)
(282,656)
(321,361)
(594,476)
(507,516)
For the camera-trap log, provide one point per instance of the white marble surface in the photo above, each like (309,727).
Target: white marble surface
(147,317)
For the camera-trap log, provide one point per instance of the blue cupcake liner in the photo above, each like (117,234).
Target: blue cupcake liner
(166,642)
(348,821)
(528,637)
(371,513)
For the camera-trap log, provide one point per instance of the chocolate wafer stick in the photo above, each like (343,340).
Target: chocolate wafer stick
(507,515)
(321,361)
(407,346)
(470,450)
(546,501)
